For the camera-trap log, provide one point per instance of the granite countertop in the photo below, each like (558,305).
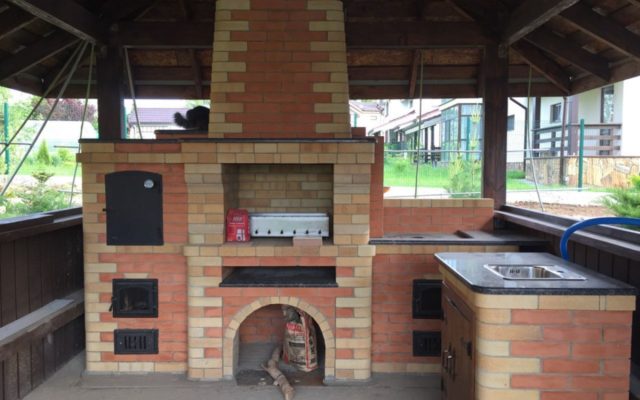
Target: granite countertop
(469,268)
(474,238)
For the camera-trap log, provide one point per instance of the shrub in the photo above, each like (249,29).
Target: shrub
(515,174)
(65,155)
(35,199)
(625,202)
(43,156)
(464,178)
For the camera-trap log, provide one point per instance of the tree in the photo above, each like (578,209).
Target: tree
(66,110)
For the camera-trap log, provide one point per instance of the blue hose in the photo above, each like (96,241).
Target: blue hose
(590,222)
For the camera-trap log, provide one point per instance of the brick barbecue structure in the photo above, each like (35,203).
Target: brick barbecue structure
(279,140)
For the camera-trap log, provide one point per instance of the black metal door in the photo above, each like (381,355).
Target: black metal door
(134,208)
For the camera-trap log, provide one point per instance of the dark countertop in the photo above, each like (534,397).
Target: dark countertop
(472,238)
(469,268)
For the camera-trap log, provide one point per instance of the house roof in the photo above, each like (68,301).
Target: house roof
(155,116)
(571,45)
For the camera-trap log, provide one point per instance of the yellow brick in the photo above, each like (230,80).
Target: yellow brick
(620,303)
(493,380)
(509,332)
(493,347)
(526,302)
(329,26)
(513,365)
(493,316)
(569,302)
(324,5)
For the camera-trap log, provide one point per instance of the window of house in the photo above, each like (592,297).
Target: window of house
(511,122)
(556,112)
(606,105)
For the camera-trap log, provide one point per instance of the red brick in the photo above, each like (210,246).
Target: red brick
(573,334)
(600,382)
(539,349)
(600,351)
(568,396)
(602,317)
(540,381)
(617,367)
(617,334)
(570,366)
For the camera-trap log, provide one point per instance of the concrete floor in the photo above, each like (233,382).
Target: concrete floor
(70,384)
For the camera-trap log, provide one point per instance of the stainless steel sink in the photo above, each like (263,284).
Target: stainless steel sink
(533,272)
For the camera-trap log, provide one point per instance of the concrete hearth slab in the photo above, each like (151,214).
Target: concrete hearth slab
(70,383)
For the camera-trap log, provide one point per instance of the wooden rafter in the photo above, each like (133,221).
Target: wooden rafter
(35,53)
(604,29)
(543,64)
(569,51)
(68,16)
(13,20)
(530,15)
(415,66)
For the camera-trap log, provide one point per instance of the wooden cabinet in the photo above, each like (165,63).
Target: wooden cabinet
(457,348)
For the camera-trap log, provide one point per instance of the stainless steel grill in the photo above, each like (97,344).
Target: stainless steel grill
(289,224)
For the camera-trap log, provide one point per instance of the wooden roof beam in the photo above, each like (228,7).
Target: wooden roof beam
(163,34)
(116,10)
(543,64)
(530,15)
(34,54)
(66,15)
(604,29)
(195,64)
(571,52)
(13,20)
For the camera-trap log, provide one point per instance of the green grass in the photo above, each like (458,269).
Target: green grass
(401,172)
(63,169)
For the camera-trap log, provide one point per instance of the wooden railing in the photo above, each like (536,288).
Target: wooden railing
(41,298)
(612,251)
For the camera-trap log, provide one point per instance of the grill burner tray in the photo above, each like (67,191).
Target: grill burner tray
(289,224)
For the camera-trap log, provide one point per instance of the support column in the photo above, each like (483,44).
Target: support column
(110,76)
(494,91)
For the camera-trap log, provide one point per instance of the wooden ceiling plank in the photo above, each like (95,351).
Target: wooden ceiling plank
(163,34)
(68,16)
(603,28)
(543,64)
(414,34)
(576,55)
(35,53)
(530,15)
(195,64)
(116,10)
(13,20)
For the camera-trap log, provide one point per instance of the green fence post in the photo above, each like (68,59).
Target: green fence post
(7,155)
(581,154)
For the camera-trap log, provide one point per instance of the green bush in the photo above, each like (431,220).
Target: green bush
(66,156)
(515,174)
(464,178)
(29,200)
(625,202)
(43,156)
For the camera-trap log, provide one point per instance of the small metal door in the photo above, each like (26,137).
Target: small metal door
(134,208)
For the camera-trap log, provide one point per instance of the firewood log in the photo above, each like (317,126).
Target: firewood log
(279,379)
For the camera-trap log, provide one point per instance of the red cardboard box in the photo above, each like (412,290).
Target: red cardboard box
(238,225)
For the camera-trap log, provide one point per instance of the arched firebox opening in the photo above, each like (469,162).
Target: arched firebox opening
(264,330)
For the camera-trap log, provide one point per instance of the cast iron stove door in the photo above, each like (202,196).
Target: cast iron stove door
(134,208)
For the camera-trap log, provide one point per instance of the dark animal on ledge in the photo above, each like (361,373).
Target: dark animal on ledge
(196,118)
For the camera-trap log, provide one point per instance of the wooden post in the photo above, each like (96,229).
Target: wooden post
(110,94)
(494,90)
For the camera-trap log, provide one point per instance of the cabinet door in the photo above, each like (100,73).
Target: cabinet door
(457,349)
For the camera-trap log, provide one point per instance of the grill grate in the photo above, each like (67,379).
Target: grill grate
(136,341)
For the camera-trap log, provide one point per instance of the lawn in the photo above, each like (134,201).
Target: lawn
(400,172)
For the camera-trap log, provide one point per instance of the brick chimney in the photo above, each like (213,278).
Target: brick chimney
(279,70)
